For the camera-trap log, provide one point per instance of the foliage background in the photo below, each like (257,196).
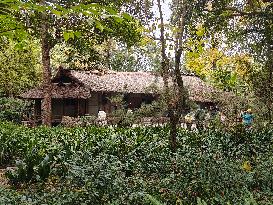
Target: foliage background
(20,66)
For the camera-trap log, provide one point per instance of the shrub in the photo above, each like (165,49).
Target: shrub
(12,109)
(123,165)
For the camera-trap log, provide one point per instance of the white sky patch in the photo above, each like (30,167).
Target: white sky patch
(165,5)
(165,10)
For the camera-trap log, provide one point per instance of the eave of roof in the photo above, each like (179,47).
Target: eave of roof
(59,91)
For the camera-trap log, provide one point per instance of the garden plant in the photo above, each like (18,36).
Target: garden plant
(100,165)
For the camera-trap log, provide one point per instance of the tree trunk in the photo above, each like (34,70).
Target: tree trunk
(165,63)
(165,75)
(46,103)
(176,100)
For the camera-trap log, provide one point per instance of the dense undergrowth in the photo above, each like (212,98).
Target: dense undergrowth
(129,165)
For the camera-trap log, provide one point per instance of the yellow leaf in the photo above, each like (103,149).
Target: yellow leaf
(246,166)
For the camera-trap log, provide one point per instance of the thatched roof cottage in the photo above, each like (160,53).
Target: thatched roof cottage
(78,93)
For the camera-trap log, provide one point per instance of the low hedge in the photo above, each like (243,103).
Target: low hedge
(125,165)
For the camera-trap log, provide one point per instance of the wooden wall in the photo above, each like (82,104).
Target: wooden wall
(69,107)
(57,107)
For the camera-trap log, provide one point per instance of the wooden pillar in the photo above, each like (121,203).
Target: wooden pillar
(100,100)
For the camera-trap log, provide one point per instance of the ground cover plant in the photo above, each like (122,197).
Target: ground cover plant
(101,165)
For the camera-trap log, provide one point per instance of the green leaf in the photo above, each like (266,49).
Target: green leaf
(40,8)
(15,7)
(200,31)
(118,19)
(77,34)
(57,13)
(127,16)
(71,35)
(99,26)
(94,5)
(111,11)
(60,7)
(200,48)
(66,36)
(93,11)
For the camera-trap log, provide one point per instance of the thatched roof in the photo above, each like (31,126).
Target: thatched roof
(140,82)
(59,91)
(120,82)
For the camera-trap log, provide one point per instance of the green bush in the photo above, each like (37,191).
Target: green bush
(123,165)
(12,109)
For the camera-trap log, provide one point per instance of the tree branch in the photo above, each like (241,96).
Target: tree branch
(165,61)
(158,38)
(238,12)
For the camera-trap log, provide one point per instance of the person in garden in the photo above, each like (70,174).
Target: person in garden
(247,118)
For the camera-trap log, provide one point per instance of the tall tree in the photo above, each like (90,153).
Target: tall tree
(19,66)
(247,28)
(183,18)
(226,72)
(175,93)
(55,21)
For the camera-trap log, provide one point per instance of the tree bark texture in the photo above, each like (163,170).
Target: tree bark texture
(176,100)
(46,103)
(181,103)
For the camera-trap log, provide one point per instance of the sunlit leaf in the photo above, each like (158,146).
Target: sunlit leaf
(57,13)
(127,16)
(200,31)
(78,34)
(99,26)
(66,36)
